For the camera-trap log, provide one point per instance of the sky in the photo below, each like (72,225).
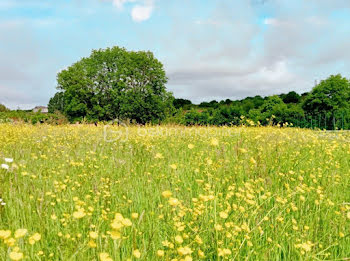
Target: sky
(211,49)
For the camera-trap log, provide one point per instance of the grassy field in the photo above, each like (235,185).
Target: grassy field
(173,193)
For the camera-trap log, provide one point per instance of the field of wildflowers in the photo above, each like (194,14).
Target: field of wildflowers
(173,193)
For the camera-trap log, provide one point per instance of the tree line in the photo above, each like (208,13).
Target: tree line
(326,106)
(114,83)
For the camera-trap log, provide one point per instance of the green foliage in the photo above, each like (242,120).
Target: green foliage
(3,108)
(330,96)
(32,117)
(56,103)
(181,103)
(115,83)
(291,97)
(325,107)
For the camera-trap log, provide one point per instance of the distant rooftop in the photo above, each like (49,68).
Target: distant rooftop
(42,109)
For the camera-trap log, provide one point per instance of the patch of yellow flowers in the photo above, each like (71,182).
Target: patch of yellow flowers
(197,193)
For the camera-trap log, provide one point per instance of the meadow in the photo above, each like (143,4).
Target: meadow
(173,193)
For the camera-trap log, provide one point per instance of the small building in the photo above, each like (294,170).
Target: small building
(41,109)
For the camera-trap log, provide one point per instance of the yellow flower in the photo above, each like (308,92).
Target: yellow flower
(36,236)
(348,215)
(158,156)
(227,252)
(218,227)
(242,150)
(306,246)
(79,214)
(16,256)
(184,251)
(134,215)
(127,222)
(198,240)
(116,224)
(105,257)
(93,234)
(5,234)
(201,253)
(252,160)
(118,217)
(188,258)
(160,253)
(341,234)
(174,202)
(190,146)
(173,166)
(10,241)
(20,232)
(214,142)
(178,239)
(167,194)
(136,253)
(115,234)
(92,244)
(223,214)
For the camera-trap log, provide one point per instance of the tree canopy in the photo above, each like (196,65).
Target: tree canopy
(3,108)
(329,96)
(114,83)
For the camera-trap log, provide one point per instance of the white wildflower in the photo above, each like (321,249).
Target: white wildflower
(5,166)
(8,160)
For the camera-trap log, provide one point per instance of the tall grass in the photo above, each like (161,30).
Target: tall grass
(173,193)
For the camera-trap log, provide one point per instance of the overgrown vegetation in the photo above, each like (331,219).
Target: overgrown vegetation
(173,193)
(32,117)
(327,106)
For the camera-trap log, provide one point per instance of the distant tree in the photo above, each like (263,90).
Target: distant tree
(329,96)
(273,106)
(180,103)
(56,103)
(258,101)
(116,83)
(227,101)
(195,117)
(3,108)
(271,103)
(247,105)
(291,97)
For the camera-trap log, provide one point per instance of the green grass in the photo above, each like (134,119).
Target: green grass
(236,193)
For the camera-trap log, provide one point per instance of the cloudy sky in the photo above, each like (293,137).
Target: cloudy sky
(211,49)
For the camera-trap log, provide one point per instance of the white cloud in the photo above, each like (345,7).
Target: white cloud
(278,73)
(120,3)
(141,13)
(277,22)
(270,21)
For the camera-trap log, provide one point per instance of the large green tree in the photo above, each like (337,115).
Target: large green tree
(114,83)
(330,102)
(329,95)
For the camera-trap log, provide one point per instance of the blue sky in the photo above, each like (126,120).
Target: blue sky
(211,49)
